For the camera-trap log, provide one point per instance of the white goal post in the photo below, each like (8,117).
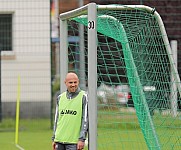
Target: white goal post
(91,11)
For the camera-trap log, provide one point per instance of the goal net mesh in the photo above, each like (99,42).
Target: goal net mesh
(136,93)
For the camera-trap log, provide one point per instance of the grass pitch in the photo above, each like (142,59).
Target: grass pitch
(33,134)
(115,131)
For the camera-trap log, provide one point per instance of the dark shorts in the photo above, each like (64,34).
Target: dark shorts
(61,146)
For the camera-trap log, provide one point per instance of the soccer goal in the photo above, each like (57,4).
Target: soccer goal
(123,58)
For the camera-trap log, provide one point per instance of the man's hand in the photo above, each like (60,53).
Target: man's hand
(53,145)
(80,145)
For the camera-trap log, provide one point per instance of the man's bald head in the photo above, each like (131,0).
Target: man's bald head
(71,81)
(71,75)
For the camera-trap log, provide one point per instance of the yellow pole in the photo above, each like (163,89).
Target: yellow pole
(17,111)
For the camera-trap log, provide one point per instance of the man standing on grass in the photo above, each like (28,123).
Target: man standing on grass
(71,117)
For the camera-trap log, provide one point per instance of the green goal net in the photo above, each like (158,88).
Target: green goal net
(137,84)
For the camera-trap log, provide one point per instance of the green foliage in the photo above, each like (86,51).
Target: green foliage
(55,85)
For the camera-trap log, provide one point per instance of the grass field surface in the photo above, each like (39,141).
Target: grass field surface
(114,133)
(36,134)
(33,134)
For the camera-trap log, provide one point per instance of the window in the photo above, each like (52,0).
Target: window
(6,32)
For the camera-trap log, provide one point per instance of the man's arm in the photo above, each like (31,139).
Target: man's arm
(84,125)
(56,118)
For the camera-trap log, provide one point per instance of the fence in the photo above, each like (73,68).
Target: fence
(26,53)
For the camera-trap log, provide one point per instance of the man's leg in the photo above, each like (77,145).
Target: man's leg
(60,146)
(71,146)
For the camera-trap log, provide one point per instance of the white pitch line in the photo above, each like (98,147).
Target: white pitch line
(19,147)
